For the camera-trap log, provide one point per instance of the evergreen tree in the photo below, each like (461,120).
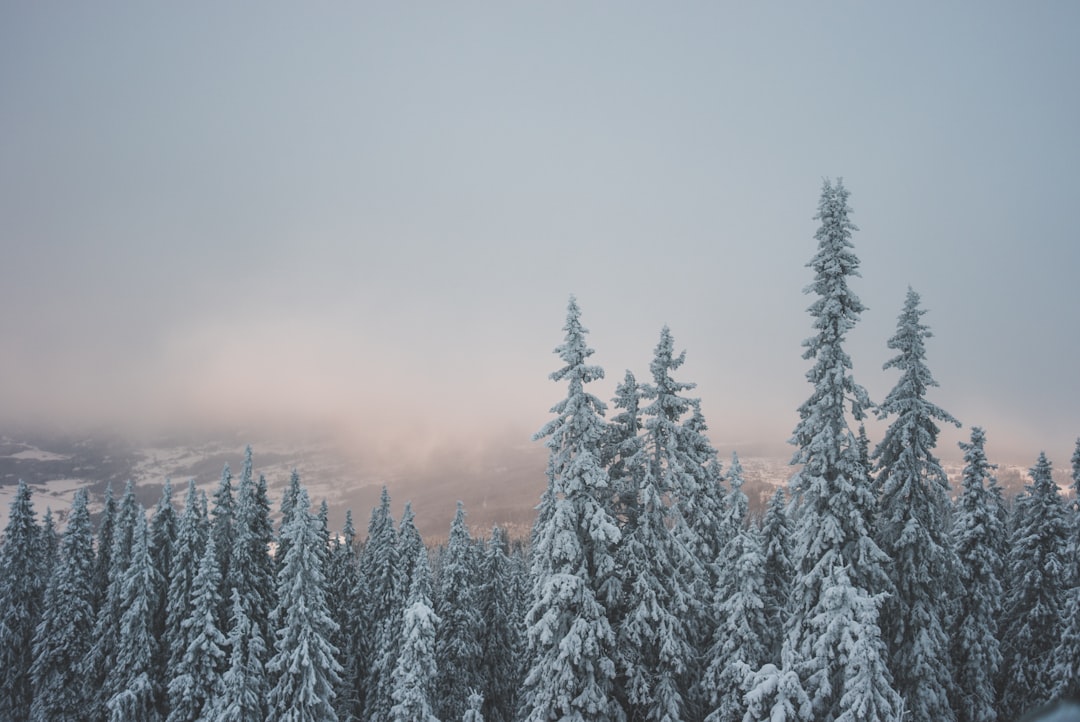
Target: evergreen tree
(251,570)
(416,669)
(1035,602)
(622,444)
(288,504)
(304,667)
(21,592)
(738,645)
(103,558)
(461,628)
(62,636)
(191,538)
(222,523)
(832,491)
(50,544)
(98,677)
(343,578)
(163,529)
(243,687)
(133,696)
(776,584)
(912,527)
(571,665)
(1067,655)
(381,608)
(662,554)
(197,679)
(501,645)
(976,653)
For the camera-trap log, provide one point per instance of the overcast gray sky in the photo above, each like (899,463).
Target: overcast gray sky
(371,215)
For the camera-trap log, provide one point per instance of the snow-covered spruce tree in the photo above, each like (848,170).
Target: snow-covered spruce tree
(251,569)
(976,652)
(133,696)
(661,612)
(49,541)
(22,587)
(570,640)
(163,529)
(222,523)
(461,628)
(197,679)
(416,669)
(387,640)
(67,620)
(705,511)
(776,584)
(242,694)
(101,658)
(912,527)
(739,642)
(376,598)
(191,537)
(501,647)
(304,667)
(1067,655)
(382,599)
(1035,601)
(288,504)
(831,490)
(623,443)
(103,546)
(343,577)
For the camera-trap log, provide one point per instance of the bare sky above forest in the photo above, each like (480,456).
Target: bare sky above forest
(368,217)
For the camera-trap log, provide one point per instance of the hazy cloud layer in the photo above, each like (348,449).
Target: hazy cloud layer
(368,219)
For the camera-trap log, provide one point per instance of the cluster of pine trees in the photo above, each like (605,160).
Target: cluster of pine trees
(647,592)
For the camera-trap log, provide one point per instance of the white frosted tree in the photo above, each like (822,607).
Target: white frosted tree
(62,636)
(416,669)
(739,642)
(242,694)
(912,527)
(163,529)
(1034,604)
(196,680)
(500,660)
(461,628)
(1067,655)
(304,667)
(133,695)
(831,489)
(776,584)
(976,651)
(22,588)
(101,658)
(191,535)
(571,665)
(382,600)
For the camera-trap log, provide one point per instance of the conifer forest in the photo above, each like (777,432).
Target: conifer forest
(869,589)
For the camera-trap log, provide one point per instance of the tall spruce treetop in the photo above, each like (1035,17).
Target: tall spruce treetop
(1034,605)
(976,651)
(570,638)
(832,491)
(304,667)
(912,526)
(21,591)
(63,635)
